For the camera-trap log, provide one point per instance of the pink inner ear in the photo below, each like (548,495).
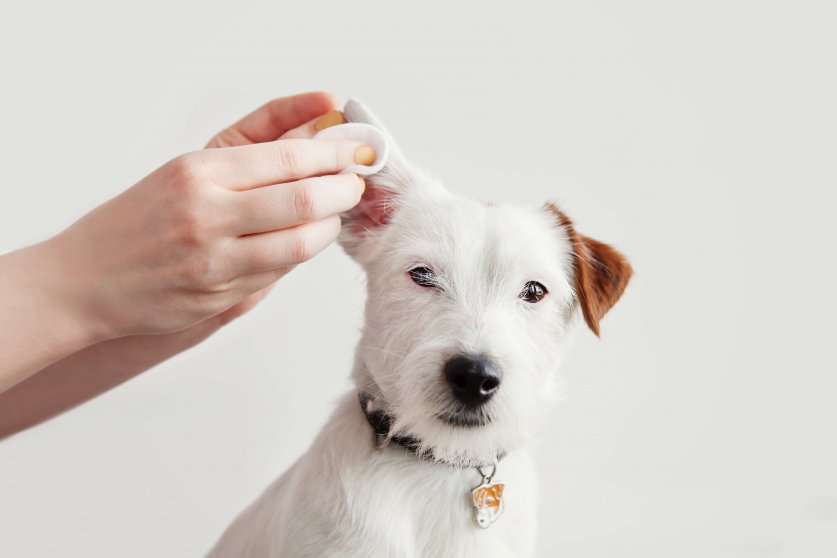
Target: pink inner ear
(374,209)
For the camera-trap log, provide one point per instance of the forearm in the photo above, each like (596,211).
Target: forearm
(88,373)
(38,325)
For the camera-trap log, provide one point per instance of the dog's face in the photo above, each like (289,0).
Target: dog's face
(470,308)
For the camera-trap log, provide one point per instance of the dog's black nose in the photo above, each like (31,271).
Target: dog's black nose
(473,378)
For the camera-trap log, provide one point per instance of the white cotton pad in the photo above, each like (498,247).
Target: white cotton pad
(364,133)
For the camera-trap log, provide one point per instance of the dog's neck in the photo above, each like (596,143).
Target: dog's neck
(381,423)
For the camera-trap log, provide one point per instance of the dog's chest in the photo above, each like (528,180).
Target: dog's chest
(428,511)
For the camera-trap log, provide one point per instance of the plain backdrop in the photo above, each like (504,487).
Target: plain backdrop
(698,137)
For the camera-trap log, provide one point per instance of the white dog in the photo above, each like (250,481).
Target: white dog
(470,310)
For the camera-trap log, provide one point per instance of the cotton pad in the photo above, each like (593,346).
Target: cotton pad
(364,133)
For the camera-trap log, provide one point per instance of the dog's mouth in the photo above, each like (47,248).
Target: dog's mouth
(465,419)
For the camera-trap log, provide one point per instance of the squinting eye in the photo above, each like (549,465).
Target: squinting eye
(533,292)
(423,276)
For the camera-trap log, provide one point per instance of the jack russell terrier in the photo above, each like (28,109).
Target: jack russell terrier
(471,307)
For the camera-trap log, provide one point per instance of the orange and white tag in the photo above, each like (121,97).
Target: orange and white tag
(488,501)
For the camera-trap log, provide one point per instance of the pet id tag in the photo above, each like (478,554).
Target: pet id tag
(487,499)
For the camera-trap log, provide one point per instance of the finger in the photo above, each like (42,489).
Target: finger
(274,119)
(263,164)
(279,249)
(244,306)
(254,286)
(284,205)
(310,128)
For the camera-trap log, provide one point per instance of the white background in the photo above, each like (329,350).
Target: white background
(698,137)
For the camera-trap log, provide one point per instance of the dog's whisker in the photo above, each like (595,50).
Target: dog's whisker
(385,351)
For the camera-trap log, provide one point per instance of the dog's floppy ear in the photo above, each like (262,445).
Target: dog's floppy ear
(600,272)
(383,189)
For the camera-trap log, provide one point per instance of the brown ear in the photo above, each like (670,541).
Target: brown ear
(601,273)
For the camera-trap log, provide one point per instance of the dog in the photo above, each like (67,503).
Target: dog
(470,309)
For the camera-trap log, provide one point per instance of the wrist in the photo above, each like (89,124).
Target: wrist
(40,322)
(65,293)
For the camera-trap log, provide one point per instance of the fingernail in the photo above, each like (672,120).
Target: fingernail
(365,155)
(329,119)
(362,184)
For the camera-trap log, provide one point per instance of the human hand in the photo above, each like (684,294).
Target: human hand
(170,261)
(265,124)
(204,235)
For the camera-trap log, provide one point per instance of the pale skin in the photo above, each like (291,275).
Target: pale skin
(168,262)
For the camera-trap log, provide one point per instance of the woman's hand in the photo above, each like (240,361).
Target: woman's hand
(205,231)
(172,259)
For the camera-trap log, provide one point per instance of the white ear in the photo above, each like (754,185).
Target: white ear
(397,174)
(384,189)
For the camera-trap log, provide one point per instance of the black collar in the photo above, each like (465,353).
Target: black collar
(381,424)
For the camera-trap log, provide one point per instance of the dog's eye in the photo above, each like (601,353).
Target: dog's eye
(423,276)
(533,292)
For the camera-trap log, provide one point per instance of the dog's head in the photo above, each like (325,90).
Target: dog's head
(470,307)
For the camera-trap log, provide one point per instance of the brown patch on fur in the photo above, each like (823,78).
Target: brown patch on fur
(601,273)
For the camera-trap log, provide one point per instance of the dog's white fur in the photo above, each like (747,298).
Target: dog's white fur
(347,497)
